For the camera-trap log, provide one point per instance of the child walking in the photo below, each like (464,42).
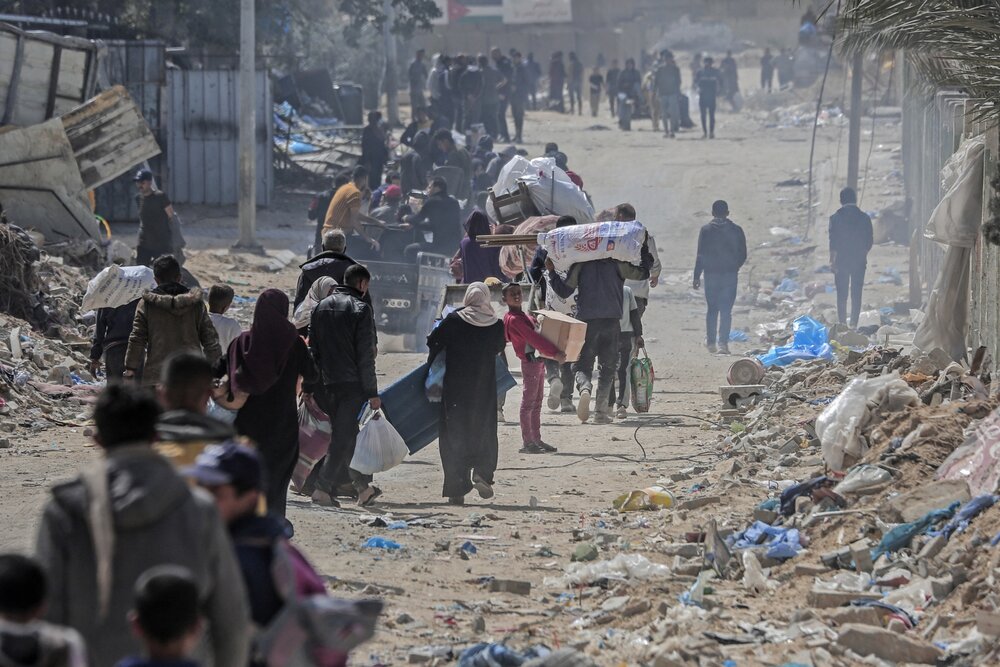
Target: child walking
(520,328)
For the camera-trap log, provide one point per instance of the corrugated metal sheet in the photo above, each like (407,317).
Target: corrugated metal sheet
(43,75)
(203,133)
(140,66)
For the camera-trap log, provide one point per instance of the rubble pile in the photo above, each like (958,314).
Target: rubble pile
(771,555)
(44,342)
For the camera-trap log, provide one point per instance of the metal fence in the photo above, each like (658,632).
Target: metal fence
(203,137)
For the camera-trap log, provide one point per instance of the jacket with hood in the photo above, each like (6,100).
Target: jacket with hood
(169,319)
(327,263)
(122,516)
(343,341)
(722,248)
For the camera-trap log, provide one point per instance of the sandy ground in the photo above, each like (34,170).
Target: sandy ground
(527,531)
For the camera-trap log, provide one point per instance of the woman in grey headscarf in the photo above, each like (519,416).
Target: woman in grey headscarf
(472,337)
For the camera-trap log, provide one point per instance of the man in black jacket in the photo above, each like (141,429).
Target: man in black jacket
(331,262)
(599,304)
(441,216)
(722,251)
(851,238)
(342,340)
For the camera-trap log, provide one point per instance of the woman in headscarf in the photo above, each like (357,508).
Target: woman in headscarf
(478,261)
(266,362)
(471,337)
(320,289)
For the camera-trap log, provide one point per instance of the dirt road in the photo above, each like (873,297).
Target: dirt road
(434,590)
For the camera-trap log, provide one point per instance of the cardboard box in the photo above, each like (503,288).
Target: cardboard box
(566,332)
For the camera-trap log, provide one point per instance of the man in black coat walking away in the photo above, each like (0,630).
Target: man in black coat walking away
(342,340)
(851,238)
(722,252)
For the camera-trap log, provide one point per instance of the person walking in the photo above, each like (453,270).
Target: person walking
(471,337)
(851,239)
(722,252)
(731,81)
(558,375)
(157,224)
(596,81)
(458,157)
(505,89)
(374,151)
(611,85)
(417,74)
(629,341)
(534,76)
(493,81)
(111,334)
(640,288)
(557,81)
(767,71)
(169,319)
(575,84)
(343,343)
(521,329)
(599,304)
(266,363)
(185,428)
(518,91)
(124,514)
(165,618)
(220,298)
(784,65)
(708,80)
(667,87)
(333,262)
(320,205)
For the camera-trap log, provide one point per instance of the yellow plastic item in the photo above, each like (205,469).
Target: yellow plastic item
(653,497)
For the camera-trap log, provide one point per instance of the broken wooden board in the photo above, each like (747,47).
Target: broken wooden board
(109,137)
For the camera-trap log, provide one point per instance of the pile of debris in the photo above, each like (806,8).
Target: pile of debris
(849,518)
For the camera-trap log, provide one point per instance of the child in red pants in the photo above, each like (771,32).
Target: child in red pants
(521,331)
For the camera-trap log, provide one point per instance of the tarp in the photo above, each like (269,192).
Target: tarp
(956,219)
(551,190)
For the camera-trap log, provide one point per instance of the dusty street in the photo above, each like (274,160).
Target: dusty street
(436,587)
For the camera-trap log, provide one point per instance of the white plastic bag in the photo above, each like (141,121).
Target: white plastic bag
(116,286)
(623,567)
(601,240)
(379,447)
(552,191)
(840,425)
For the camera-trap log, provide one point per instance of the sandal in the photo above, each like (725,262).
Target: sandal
(546,447)
(484,488)
(364,499)
(531,448)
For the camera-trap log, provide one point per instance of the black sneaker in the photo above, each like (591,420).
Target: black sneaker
(531,448)
(546,447)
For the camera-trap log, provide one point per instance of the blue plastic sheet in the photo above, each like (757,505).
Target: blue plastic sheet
(782,543)
(738,336)
(787,286)
(809,341)
(434,384)
(497,655)
(381,543)
(965,515)
(901,536)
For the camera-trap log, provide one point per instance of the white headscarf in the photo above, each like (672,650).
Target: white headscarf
(320,289)
(478,310)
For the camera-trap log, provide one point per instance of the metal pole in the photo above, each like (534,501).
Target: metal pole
(854,131)
(391,64)
(248,133)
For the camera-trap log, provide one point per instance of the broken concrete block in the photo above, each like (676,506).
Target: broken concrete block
(809,570)
(640,607)
(767,516)
(823,599)
(862,615)
(510,586)
(698,501)
(988,623)
(862,555)
(616,603)
(914,504)
(887,645)
(932,548)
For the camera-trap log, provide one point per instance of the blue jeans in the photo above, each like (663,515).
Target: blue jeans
(720,294)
